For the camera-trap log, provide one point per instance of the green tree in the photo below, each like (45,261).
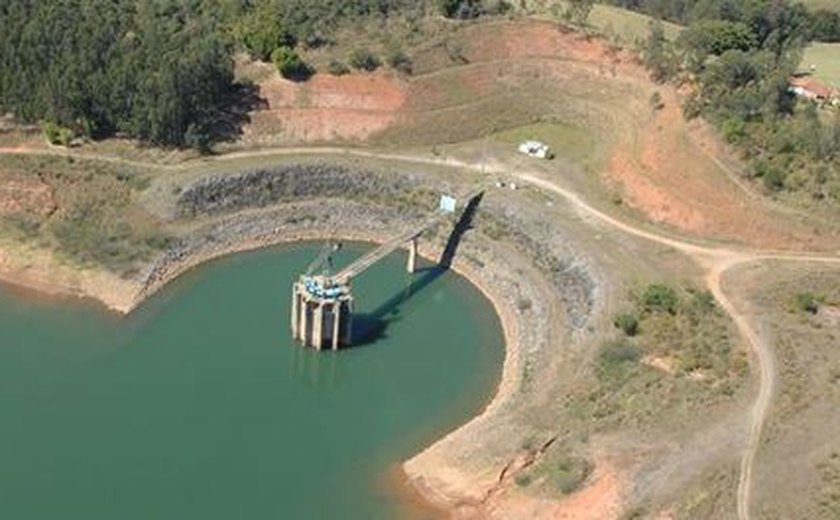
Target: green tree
(658,53)
(627,323)
(717,36)
(262,31)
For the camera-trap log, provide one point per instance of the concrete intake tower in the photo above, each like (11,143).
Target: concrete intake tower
(322,304)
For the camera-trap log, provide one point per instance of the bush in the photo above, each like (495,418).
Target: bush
(400,61)
(703,301)
(628,324)
(616,353)
(569,474)
(807,302)
(261,32)
(56,134)
(734,129)
(578,11)
(523,479)
(364,59)
(338,68)
(656,102)
(289,64)
(461,9)
(660,298)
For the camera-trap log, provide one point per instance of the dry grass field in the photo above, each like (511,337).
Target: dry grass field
(825,57)
(833,5)
(798,466)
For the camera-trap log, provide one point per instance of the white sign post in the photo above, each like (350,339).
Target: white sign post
(447,204)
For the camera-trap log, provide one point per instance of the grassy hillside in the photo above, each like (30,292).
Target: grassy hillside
(626,26)
(833,5)
(619,25)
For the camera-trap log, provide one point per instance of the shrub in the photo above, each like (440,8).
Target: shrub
(703,301)
(400,61)
(807,302)
(628,324)
(56,134)
(734,129)
(462,9)
(656,102)
(568,474)
(364,59)
(523,479)
(289,64)
(338,68)
(616,353)
(65,136)
(660,298)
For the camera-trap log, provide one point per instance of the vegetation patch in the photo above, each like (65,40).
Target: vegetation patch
(94,222)
(829,500)
(560,472)
(675,349)
(740,63)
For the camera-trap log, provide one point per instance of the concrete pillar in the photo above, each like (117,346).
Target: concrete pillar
(318,326)
(305,309)
(295,312)
(337,317)
(412,256)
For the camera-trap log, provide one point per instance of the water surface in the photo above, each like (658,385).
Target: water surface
(198,405)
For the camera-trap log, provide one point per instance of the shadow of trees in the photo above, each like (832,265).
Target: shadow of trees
(243,99)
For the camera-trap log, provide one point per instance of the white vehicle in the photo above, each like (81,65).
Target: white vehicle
(535,149)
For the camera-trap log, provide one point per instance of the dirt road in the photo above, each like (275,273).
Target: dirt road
(715,260)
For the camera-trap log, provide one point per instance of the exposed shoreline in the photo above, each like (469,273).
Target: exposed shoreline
(430,488)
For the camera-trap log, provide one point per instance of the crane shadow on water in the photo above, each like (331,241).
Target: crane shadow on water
(372,326)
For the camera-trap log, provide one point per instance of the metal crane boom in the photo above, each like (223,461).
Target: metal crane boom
(445,209)
(377,254)
(324,257)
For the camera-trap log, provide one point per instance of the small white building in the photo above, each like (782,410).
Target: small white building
(535,149)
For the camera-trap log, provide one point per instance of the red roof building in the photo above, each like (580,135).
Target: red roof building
(812,89)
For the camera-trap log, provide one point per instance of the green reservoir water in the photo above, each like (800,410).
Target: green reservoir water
(198,405)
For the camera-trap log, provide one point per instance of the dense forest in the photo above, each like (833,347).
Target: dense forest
(818,25)
(157,70)
(738,56)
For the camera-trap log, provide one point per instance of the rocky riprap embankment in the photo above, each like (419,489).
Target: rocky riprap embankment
(263,187)
(304,197)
